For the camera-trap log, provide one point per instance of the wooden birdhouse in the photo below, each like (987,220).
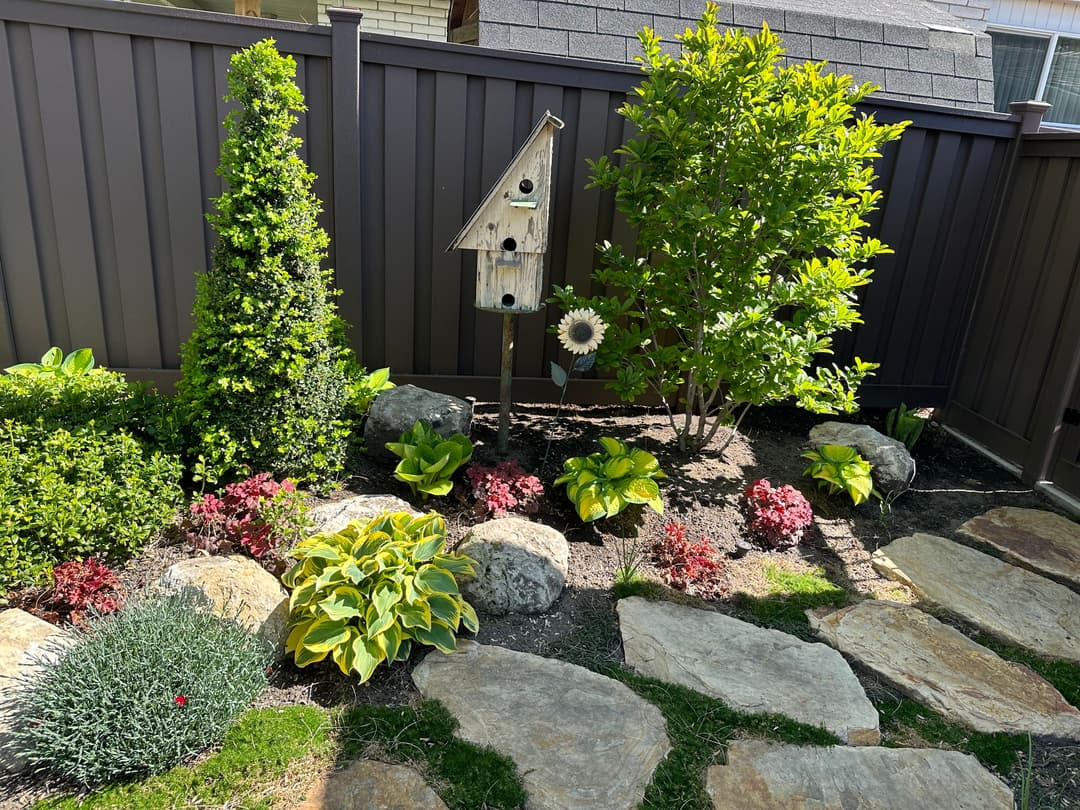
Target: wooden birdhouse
(509,231)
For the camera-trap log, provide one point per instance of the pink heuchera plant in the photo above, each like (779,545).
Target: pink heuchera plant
(503,488)
(256,514)
(690,567)
(79,587)
(776,515)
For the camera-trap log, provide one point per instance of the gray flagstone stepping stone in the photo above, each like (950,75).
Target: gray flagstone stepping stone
(1008,602)
(765,776)
(750,668)
(942,668)
(1041,540)
(580,740)
(373,786)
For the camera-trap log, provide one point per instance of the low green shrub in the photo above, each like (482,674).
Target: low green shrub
(428,461)
(138,692)
(841,469)
(364,389)
(603,484)
(365,594)
(904,425)
(98,396)
(67,494)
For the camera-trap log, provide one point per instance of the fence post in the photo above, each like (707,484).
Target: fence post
(345,98)
(1031,114)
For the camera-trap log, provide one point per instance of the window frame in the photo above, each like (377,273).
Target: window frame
(1048,61)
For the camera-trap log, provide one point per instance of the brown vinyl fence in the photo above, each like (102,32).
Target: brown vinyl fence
(109,131)
(1017,388)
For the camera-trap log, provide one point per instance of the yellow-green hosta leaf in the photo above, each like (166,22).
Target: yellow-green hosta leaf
(439,636)
(301,595)
(644,462)
(366,656)
(385,597)
(468,617)
(428,548)
(418,615)
(445,608)
(590,505)
(431,579)
(325,634)
(330,576)
(613,446)
(618,467)
(405,649)
(642,490)
(437,488)
(344,602)
(297,633)
(455,563)
(613,503)
(380,623)
(305,656)
(390,641)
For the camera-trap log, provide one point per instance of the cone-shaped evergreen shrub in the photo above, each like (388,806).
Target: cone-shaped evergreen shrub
(264,381)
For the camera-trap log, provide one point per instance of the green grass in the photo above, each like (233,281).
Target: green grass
(791,594)
(257,750)
(468,776)
(901,720)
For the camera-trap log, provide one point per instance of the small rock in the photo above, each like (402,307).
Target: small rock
(893,466)
(942,668)
(237,588)
(520,566)
(750,668)
(580,740)
(1041,540)
(333,516)
(1008,602)
(398,409)
(26,642)
(372,786)
(765,776)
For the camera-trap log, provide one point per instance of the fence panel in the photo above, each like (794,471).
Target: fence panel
(1022,357)
(110,123)
(110,127)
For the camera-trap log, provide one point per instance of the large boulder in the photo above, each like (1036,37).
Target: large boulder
(894,468)
(26,644)
(398,409)
(333,516)
(236,588)
(520,566)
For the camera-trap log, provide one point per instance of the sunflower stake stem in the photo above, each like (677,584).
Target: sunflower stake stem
(504,382)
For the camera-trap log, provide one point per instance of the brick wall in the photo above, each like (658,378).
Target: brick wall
(914,50)
(422,19)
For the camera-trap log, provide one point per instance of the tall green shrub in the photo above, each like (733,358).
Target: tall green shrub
(748,184)
(264,381)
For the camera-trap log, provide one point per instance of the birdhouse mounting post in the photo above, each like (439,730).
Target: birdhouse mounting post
(505,376)
(509,232)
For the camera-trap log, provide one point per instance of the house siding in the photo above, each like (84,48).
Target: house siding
(421,19)
(1036,14)
(914,50)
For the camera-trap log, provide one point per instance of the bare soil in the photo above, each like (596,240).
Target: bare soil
(953,484)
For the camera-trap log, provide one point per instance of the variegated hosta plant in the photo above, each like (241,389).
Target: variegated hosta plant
(364,594)
(603,484)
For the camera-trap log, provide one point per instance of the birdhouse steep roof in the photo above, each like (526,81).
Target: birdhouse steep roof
(534,152)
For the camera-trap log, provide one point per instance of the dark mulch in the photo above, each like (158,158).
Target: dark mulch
(953,484)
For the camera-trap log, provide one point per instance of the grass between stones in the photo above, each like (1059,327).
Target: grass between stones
(269,757)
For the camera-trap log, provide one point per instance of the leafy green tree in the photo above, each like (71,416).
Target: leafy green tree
(747,184)
(264,373)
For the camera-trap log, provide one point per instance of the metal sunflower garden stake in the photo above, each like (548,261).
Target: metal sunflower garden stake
(581,331)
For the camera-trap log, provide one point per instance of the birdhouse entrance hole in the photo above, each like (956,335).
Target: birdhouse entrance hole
(525,186)
(509,244)
(508,300)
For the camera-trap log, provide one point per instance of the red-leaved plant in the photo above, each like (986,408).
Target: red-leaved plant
(79,589)
(255,515)
(776,515)
(687,566)
(503,488)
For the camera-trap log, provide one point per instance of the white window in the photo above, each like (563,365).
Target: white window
(1039,66)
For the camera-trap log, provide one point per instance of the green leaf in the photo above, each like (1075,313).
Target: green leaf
(445,608)
(417,615)
(468,617)
(385,597)
(439,636)
(345,602)
(613,447)
(438,488)
(324,634)
(431,580)
(428,548)
(558,374)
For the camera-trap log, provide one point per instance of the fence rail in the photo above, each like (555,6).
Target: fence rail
(110,126)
